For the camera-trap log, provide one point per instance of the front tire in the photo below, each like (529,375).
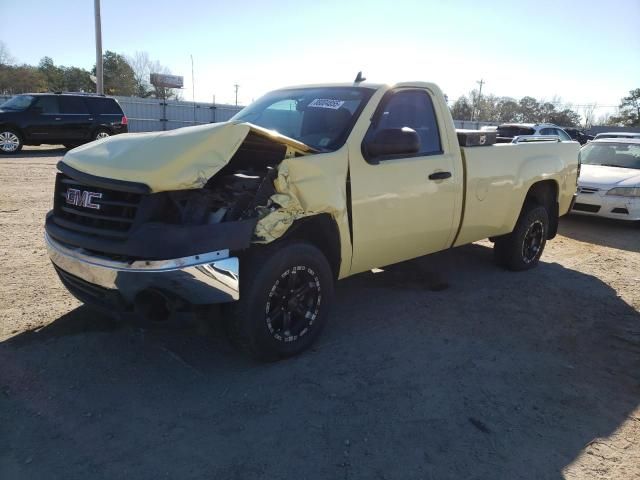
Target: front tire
(10,141)
(522,248)
(284,301)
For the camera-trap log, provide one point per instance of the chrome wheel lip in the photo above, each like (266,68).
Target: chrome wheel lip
(100,135)
(9,142)
(532,243)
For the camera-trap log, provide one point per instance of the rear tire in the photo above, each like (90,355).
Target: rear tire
(101,133)
(285,297)
(10,141)
(522,248)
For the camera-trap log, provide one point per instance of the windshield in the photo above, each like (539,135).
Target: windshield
(319,117)
(623,155)
(17,103)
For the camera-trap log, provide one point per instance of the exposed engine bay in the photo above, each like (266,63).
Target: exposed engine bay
(239,191)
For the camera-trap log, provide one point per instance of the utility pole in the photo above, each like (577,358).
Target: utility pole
(236,86)
(481,82)
(193,91)
(99,73)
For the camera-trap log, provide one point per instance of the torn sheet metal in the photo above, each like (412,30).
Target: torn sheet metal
(308,186)
(180,159)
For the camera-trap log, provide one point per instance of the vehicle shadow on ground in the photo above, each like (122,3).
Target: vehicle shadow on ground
(441,367)
(26,152)
(602,231)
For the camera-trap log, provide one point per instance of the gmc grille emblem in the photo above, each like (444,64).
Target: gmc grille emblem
(82,198)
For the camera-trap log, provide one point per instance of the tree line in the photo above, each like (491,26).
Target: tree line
(491,108)
(123,75)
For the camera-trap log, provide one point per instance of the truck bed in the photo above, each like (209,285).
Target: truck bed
(498,177)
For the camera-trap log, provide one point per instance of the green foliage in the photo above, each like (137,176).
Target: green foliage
(20,79)
(119,78)
(53,76)
(629,111)
(46,77)
(461,109)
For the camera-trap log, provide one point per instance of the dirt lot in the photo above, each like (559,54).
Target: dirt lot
(499,375)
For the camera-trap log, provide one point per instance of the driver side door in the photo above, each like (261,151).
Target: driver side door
(43,121)
(403,205)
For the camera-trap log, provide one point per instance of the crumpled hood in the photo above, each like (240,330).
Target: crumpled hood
(180,159)
(600,175)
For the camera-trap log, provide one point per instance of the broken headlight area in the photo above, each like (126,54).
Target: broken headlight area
(225,198)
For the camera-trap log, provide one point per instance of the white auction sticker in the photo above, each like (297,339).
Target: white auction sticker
(326,103)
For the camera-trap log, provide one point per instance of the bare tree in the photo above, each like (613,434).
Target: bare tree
(143,67)
(5,56)
(588,114)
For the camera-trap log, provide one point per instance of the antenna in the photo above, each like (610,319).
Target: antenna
(359,78)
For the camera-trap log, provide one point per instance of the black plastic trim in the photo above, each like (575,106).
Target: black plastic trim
(108,183)
(162,241)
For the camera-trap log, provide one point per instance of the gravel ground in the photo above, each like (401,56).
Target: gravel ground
(444,367)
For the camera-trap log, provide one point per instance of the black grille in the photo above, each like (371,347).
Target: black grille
(113,219)
(585,207)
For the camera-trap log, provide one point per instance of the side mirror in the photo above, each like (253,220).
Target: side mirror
(393,141)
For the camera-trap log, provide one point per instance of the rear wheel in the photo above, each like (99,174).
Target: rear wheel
(101,133)
(286,293)
(522,248)
(10,141)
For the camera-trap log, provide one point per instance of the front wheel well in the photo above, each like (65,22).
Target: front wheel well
(13,128)
(545,193)
(321,231)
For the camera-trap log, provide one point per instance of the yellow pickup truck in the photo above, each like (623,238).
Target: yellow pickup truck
(307,185)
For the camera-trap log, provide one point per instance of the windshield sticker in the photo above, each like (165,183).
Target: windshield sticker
(326,103)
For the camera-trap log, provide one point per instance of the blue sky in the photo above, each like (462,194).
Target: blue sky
(583,51)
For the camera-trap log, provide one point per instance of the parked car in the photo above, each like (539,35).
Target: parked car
(609,182)
(305,186)
(602,135)
(53,118)
(508,131)
(578,135)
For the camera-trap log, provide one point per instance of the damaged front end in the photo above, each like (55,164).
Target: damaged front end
(167,212)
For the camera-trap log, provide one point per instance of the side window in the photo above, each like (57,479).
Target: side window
(547,131)
(72,105)
(48,105)
(564,136)
(104,106)
(413,109)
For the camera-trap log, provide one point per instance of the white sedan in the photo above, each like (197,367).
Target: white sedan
(609,182)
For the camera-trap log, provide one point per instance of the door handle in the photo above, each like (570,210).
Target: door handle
(440,175)
(90,118)
(58,118)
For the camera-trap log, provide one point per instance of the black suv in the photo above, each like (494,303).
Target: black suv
(58,118)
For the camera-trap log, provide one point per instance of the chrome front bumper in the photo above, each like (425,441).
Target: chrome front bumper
(200,279)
